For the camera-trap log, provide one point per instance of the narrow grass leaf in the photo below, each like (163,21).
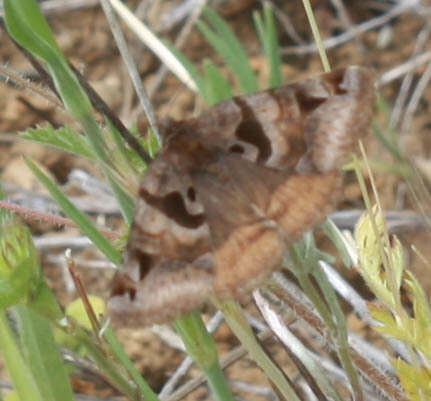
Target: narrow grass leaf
(238,323)
(18,24)
(43,356)
(224,41)
(118,349)
(217,88)
(125,201)
(125,158)
(19,372)
(345,250)
(202,349)
(30,11)
(64,138)
(267,32)
(71,211)
(188,65)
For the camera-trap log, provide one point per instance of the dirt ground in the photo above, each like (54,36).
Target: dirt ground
(397,37)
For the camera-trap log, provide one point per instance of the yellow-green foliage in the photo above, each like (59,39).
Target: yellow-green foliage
(382,267)
(77,310)
(369,236)
(416,381)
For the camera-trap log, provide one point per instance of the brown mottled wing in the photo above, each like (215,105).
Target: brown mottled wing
(232,188)
(168,264)
(254,212)
(308,126)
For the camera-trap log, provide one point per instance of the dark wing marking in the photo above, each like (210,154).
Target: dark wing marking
(168,256)
(306,126)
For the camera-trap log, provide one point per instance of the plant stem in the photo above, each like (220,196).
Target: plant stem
(202,349)
(239,325)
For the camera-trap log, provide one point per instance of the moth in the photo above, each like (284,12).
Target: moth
(232,188)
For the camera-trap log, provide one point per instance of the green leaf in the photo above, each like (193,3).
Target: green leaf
(125,201)
(118,350)
(217,88)
(344,247)
(202,348)
(224,41)
(42,356)
(188,65)
(64,138)
(15,287)
(84,223)
(20,270)
(267,32)
(25,10)
(19,25)
(421,307)
(416,380)
(19,372)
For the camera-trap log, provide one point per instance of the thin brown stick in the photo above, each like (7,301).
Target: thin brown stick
(79,285)
(21,82)
(33,216)
(350,34)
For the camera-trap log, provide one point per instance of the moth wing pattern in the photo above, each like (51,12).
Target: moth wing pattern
(168,253)
(311,125)
(232,188)
(253,212)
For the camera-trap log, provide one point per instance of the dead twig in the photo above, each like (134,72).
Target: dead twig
(30,215)
(334,41)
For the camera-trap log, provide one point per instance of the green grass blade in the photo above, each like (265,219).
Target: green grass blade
(30,11)
(125,201)
(20,374)
(202,348)
(267,32)
(188,65)
(126,159)
(238,323)
(340,242)
(19,25)
(217,88)
(64,138)
(42,356)
(71,211)
(146,391)
(228,46)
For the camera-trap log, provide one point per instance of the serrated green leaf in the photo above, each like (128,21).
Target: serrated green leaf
(64,138)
